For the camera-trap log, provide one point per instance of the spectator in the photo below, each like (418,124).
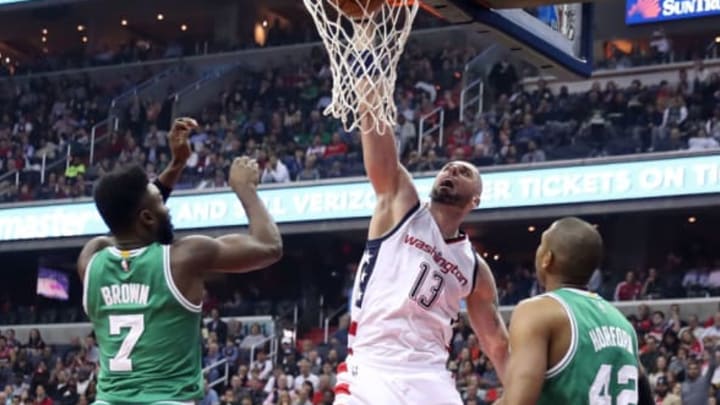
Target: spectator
(503,76)
(336,148)
(694,325)
(217,325)
(695,280)
(263,364)
(277,383)
(305,376)
(701,141)
(658,371)
(652,288)
(692,344)
(229,398)
(673,397)
(41,397)
(695,388)
(595,283)
(230,352)
(309,172)
(714,330)
(336,170)
(211,359)
(317,149)
(211,396)
(405,133)
(629,289)
(255,391)
(275,171)
(62,391)
(534,154)
(304,394)
(676,113)
(254,338)
(649,353)
(92,355)
(35,341)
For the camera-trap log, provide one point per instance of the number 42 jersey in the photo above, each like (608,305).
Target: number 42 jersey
(407,293)
(148,333)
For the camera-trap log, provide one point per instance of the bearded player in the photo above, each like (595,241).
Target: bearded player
(143,288)
(570,346)
(416,269)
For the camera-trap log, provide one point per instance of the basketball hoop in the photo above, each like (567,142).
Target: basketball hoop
(364,55)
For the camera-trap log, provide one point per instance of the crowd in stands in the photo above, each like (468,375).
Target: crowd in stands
(680,354)
(40,119)
(276,117)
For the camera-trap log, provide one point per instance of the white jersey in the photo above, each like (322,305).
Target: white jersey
(407,294)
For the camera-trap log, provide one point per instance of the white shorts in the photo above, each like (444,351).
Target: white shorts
(360,384)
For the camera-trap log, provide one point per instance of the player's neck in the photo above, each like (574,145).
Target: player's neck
(448,220)
(558,284)
(131,242)
(574,286)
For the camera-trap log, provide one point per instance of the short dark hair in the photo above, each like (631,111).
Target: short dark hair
(578,248)
(118,196)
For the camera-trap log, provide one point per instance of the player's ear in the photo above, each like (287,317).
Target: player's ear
(547,260)
(146,217)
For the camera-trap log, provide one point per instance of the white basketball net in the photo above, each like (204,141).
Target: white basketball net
(363,59)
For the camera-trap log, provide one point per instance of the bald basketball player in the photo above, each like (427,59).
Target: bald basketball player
(570,346)
(416,269)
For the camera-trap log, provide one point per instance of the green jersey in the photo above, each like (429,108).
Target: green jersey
(601,365)
(148,333)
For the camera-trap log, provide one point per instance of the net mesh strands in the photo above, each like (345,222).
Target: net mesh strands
(364,54)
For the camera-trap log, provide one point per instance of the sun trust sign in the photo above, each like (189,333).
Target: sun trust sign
(648,11)
(508,189)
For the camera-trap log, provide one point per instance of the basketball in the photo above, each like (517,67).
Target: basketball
(354,8)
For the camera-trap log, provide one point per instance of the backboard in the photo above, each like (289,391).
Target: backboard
(556,38)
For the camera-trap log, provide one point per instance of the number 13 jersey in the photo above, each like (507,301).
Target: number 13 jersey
(407,293)
(148,333)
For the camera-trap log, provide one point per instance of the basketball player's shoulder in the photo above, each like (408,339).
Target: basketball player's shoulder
(541,308)
(89,250)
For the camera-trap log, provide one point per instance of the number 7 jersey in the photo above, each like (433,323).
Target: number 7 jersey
(407,293)
(148,333)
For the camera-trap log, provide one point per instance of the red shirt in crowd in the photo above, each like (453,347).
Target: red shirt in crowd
(627,291)
(336,149)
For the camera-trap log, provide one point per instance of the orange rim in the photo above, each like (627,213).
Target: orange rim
(428,8)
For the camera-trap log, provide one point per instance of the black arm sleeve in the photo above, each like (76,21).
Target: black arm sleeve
(645,396)
(164,190)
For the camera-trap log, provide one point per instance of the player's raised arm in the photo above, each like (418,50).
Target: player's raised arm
(530,334)
(379,149)
(235,253)
(390,180)
(485,319)
(179,154)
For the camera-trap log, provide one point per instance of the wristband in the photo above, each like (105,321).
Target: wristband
(164,190)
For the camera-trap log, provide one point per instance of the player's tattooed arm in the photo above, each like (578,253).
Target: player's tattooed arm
(485,319)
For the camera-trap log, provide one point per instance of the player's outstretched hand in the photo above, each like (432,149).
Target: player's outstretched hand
(178,139)
(244,173)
